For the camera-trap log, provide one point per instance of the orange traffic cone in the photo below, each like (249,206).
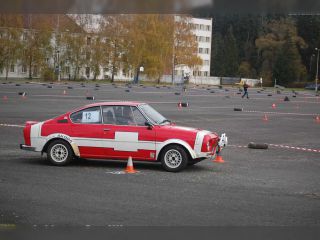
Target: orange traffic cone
(23,96)
(274,105)
(64,92)
(130,168)
(218,158)
(317,119)
(179,105)
(5,98)
(265,117)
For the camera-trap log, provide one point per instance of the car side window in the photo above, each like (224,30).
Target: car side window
(87,116)
(139,119)
(108,113)
(124,115)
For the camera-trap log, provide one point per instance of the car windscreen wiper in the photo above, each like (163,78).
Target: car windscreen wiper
(165,120)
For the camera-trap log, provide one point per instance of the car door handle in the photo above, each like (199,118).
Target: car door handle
(106,129)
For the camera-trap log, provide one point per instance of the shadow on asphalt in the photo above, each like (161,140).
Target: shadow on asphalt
(110,164)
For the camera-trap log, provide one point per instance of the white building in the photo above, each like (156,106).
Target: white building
(202,29)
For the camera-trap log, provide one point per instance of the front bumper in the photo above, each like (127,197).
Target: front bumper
(27,148)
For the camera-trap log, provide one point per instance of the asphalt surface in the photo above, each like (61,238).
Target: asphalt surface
(278,186)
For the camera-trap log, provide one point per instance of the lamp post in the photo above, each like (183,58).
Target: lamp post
(317,49)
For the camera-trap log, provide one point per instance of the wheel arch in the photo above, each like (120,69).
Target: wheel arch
(73,146)
(183,144)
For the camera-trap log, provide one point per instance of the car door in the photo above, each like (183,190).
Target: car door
(126,134)
(87,132)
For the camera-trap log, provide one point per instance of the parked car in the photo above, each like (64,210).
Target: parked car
(312,86)
(118,130)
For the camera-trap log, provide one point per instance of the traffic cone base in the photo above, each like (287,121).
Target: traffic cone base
(218,159)
(265,118)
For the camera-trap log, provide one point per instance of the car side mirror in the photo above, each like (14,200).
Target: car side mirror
(149,125)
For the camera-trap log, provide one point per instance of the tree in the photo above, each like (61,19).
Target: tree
(308,27)
(149,43)
(217,55)
(288,67)
(246,71)
(276,34)
(73,45)
(231,54)
(10,41)
(97,55)
(37,47)
(114,30)
(158,53)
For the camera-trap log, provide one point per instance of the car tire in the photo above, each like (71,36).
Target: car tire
(258,145)
(59,153)
(174,158)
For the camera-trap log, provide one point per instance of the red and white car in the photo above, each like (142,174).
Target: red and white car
(118,130)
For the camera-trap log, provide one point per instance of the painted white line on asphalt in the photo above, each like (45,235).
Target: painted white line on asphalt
(10,125)
(282,146)
(281,113)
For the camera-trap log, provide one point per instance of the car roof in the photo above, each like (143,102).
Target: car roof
(125,103)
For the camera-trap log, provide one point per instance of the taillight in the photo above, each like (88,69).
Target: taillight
(26,135)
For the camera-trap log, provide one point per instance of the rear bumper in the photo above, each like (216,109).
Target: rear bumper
(27,148)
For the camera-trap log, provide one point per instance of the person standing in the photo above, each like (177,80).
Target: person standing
(245,89)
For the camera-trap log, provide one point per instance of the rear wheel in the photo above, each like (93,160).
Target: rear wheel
(59,153)
(174,158)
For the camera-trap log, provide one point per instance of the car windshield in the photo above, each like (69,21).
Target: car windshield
(153,115)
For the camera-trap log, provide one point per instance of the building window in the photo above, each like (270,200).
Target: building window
(105,70)
(88,72)
(207,27)
(88,56)
(88,40)
(207,39)
(24,36)
(206,62)
(67,70)
(205,74)
(35,71)
(200,50)
(206,50)
(12,68)
(24,68)
(199,73)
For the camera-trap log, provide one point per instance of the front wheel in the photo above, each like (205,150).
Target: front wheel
(174,158)
(59,153)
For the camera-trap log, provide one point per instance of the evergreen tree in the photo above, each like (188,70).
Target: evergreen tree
(231,57)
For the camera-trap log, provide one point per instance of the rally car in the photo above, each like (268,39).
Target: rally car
(119,130)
